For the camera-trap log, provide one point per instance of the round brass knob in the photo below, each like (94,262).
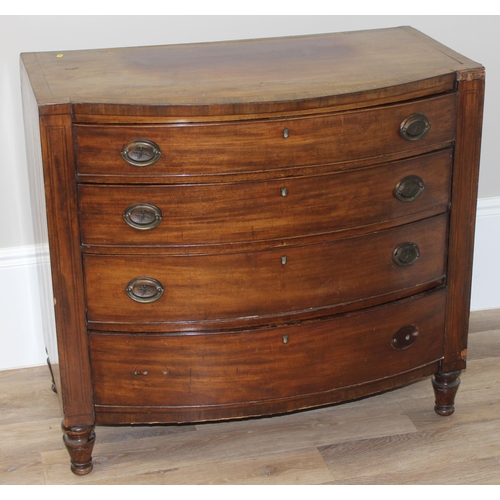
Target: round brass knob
(406,254)
(144,289)
(409,188)
(414,127)
(142,216)
(141,152)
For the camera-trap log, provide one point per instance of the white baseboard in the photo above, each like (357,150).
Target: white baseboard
(486,270)
(21,338)
(17,256)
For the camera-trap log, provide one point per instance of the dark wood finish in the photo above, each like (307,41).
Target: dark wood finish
(319,204)
(269,364)
(463,218)
(362,442)
(64,239)
(200,149)
(445,388)
(67,273)
(79,442)
(64,305)
(282,272)
(274,75)
(209,289)
(118,415)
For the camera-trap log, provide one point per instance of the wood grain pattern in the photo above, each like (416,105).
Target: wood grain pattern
(393,438)
(63,301)
(278,164)
(224,148)
(49,148)
(241,367)
(201,291)
(67,272)
(305,467)
(463,220)
(198,214)
(248,76)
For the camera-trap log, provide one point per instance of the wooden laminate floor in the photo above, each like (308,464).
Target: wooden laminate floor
(392,438)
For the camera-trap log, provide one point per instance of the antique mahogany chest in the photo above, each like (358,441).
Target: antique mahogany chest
(253,227)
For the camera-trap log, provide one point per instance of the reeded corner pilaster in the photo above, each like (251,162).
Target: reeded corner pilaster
(445,389)
(79,442)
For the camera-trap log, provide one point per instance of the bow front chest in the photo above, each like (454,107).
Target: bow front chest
(254,227)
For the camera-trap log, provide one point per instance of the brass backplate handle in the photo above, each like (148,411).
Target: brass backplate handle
(414,127)
(405,337)
(409,188)
(142,216)
(144,289)
(406,254)
(141,152)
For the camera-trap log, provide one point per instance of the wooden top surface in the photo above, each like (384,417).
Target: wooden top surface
(247,76)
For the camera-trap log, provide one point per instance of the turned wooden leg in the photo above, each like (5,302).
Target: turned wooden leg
(445,388)
(79,442)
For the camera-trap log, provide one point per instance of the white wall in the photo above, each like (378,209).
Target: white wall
(20,335)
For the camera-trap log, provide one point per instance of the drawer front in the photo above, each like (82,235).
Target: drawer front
(197,149)
(270,364)
(242,212)
(169,289)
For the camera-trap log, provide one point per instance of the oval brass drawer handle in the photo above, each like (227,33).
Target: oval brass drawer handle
(405,337)
(409,188)
(141,152)
(142,216)
(144,289)
(414,127)
(406,254)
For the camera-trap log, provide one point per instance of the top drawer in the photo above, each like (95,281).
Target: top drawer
(246,146)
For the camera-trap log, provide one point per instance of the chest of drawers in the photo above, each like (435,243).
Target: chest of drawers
(249,228)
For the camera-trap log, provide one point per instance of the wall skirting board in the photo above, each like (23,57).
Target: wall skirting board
(486,270)
(21,337)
